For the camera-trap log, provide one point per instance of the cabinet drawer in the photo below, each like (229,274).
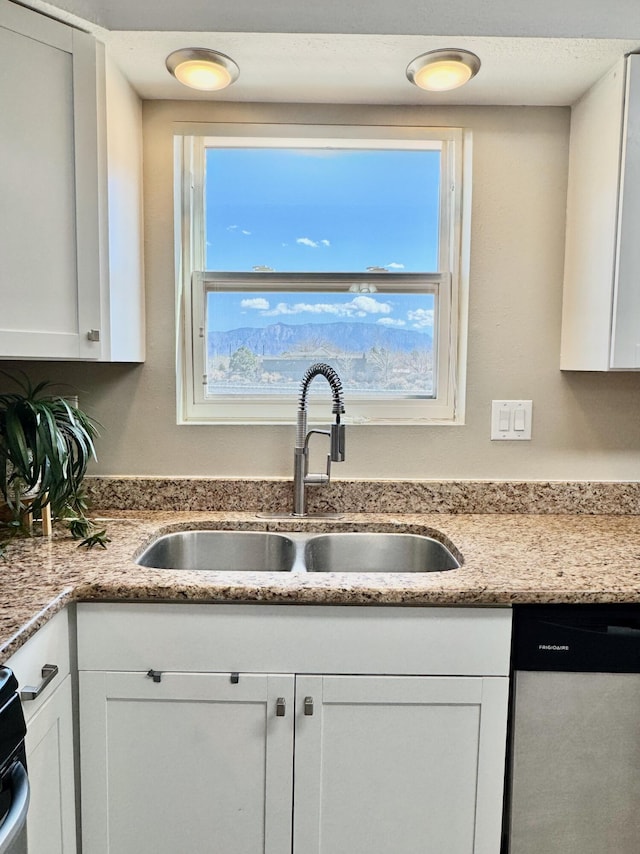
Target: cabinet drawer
(294,639)
(50,645)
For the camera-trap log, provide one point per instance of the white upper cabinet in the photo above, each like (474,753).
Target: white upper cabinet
(121,233)
(601,305)
(70,181)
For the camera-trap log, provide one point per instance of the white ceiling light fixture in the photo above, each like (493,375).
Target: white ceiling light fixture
(441,70)
(201,68)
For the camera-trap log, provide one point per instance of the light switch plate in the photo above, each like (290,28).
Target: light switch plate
(511,419)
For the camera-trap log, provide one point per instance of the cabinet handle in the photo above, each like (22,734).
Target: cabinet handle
(308,705)
(49,672)
(281,707)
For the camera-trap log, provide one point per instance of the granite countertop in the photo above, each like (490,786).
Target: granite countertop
(506,559)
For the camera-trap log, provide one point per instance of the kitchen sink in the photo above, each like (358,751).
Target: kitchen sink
(263,551)
(364,552)
(250,551)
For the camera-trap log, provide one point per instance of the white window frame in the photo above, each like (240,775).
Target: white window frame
(449,283)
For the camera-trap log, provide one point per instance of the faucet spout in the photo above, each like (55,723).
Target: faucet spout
(335,384)
(336,434)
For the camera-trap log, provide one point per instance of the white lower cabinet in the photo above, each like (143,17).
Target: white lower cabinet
(192,763)
(241,762)
(51,820)
(402,764)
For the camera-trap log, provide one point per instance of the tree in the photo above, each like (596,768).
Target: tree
(382,361)
(244,362)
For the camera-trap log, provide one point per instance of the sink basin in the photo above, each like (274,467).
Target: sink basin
(250,551)
(364,552)
(266,551)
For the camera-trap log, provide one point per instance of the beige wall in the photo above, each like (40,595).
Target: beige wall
(585,426)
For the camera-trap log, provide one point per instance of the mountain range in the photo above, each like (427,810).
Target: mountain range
(279,338)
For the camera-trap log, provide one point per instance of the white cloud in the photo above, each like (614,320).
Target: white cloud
(421,317)
(231,227)
(257,303)
(395,266)
(245,232)
(314,244)
(369,305)
(391,321)
(361,306)
(301,308)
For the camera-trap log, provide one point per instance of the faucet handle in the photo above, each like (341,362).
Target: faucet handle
(337,443)
(319,479)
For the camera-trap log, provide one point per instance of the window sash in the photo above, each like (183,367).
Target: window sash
(194,283)
(281,408)
(444,140)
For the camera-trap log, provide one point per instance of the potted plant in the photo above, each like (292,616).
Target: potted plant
(46,443)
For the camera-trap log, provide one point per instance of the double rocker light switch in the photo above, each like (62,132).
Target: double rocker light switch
(511,419)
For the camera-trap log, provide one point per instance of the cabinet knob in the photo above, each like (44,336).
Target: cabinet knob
(93,335)
(281,707)
(308,705)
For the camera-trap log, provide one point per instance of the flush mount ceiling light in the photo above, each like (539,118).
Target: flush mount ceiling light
(440,70)
(201,68)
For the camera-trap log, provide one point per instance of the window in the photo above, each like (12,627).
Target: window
(303,244)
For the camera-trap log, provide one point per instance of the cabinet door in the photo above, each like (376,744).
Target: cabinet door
(413,765)
(601,299)
(51,821)
(625,337)
(192,763)
(49,240)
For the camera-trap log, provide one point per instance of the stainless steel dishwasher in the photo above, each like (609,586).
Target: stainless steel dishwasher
(574,772)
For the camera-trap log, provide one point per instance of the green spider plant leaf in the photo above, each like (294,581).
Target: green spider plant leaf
(46,445)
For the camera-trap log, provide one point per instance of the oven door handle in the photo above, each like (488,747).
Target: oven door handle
(17,815)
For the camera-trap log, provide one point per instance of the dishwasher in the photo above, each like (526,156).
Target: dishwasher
(573,783)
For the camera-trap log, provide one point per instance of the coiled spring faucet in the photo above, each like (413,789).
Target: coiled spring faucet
(301,476)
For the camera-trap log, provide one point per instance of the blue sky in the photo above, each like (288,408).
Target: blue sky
(320,210)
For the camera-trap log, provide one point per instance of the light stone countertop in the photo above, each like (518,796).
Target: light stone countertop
(506,559)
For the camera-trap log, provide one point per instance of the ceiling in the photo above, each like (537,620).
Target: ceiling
(542,53)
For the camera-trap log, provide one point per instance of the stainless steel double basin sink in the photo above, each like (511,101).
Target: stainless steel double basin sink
(266,551)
